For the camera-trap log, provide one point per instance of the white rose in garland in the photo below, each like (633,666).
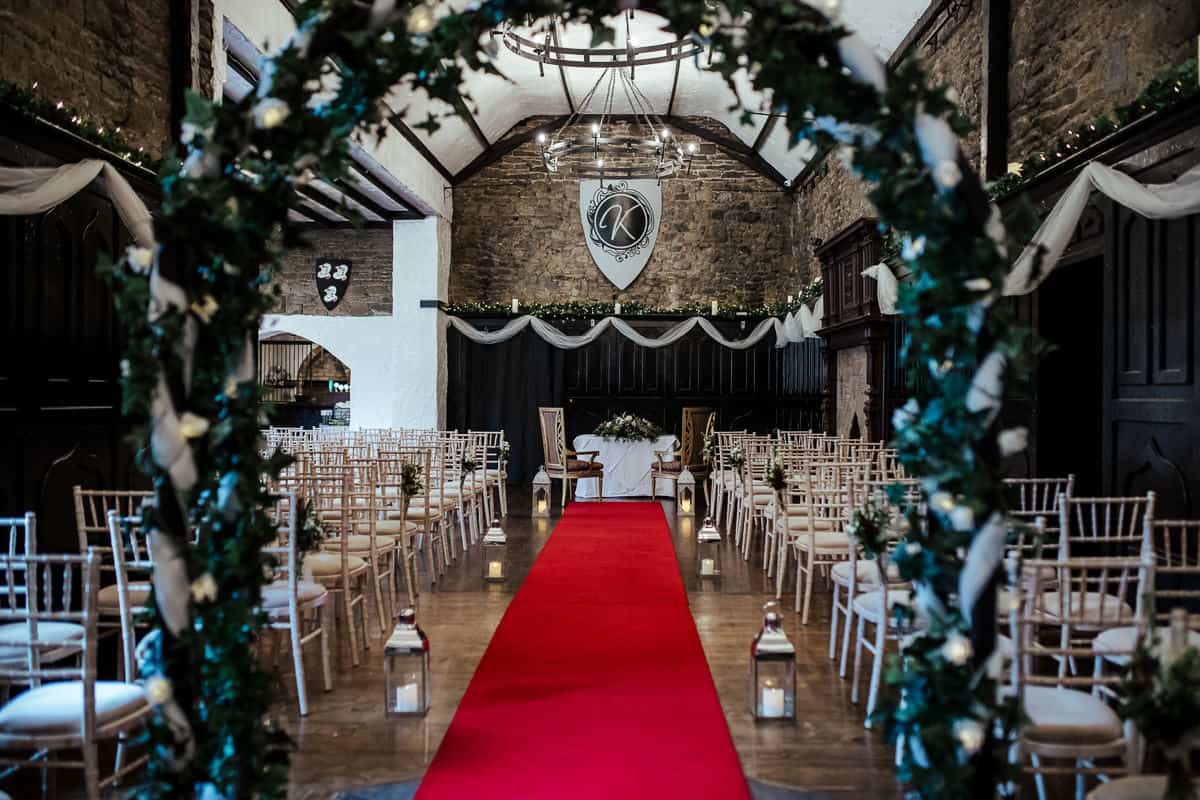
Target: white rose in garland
(270,112)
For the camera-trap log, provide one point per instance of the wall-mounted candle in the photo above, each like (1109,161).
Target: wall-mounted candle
(714,306)
(708,566)
(617,308)
(772,702)
(406,698)
(516,306)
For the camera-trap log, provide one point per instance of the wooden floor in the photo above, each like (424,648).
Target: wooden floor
(346,742)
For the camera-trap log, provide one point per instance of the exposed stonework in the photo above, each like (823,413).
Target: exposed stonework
(726,233)
(851,390)
(1070,63)
(370,254)
(107,58)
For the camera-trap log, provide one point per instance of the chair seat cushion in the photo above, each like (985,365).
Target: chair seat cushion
(56,635)
(360,543)
(869,605)
(56,709)
(275,595)
(323,565)
(108,598)
(1131,787)
(1116,643)
(828,541)
(391,527)
(1069,716)
(799,524)
(1097,608)
(674,467)
(420,512)
(868,573)
(580,465)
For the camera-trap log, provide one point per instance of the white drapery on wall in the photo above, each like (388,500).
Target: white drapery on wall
(1154,201)
(565,341)
(32,190)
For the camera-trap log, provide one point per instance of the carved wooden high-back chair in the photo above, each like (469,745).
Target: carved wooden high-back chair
(562,463)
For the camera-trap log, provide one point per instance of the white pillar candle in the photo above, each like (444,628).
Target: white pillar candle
(790,299)
(516,306)
(772,702)
(495,569)
(708,566)
(617,308)
(714,306)
(406,697)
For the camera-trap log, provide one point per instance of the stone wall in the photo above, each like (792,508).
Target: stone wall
(107,58)
(726,233)
(369,252)
(1069,65)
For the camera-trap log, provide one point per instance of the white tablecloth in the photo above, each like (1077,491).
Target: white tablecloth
(626,466)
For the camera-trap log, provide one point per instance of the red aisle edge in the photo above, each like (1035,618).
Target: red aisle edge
(595,684)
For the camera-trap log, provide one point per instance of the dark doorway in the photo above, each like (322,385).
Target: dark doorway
(1070,378)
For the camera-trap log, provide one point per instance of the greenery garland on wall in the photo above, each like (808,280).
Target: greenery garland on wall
(223,225)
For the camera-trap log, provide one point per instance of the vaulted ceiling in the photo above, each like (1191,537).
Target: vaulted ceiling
(678,90)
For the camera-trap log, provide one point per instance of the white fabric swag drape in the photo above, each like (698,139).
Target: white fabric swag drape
(1154,201)
(565,341)
(32,190)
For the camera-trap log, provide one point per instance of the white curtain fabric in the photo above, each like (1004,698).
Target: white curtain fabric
(565,341)
(1155,201)
(32,190)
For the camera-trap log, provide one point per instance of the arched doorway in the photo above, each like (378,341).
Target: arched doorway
(305,384)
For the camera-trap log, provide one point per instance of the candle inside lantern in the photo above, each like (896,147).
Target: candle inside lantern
(686,503)
(541,505)
(708,566)
(772,701)
(714,306)
(495,570)
(406,698)
(516,306)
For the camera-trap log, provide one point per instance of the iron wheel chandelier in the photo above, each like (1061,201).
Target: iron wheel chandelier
(650,150)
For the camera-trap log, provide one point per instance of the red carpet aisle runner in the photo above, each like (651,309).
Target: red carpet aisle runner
(595,684)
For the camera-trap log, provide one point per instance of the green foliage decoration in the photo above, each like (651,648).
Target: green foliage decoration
(223,225)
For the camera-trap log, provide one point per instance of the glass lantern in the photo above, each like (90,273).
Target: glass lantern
(685,494)
(708,550)
(541,494)
(493,553)
(772,670)
(407,688)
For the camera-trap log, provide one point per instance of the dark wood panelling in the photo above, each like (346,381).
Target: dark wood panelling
(760,388)
(59,390)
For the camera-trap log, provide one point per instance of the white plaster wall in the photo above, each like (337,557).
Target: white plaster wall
(397,363)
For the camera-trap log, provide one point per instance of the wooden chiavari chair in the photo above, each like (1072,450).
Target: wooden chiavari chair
(389,497)
(341,572)
(66,707)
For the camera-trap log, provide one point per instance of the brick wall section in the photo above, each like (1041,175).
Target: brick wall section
(370,292)
(725,233)
(107,58)
(1068,66)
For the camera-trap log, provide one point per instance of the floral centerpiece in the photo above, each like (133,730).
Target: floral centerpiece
(628,428)
(1161,697)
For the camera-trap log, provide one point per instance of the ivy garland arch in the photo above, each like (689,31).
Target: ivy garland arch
(193,307)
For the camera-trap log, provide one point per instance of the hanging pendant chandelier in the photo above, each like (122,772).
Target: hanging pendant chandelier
(636,144)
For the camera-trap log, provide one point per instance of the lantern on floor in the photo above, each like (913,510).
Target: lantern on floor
(494,542)
(541,494)
(685,494)
(772,669)
(407,687)
(708,550)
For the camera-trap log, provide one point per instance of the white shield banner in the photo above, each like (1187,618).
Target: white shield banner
(620,225)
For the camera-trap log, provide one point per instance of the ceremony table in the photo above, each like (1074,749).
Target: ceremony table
(626,466)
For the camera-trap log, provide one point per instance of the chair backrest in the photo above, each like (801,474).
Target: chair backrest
(130,550)
(287,552)
(697,421)
(1104,526)
(22,533)
(53,579)
(554,438)
(1033,497)
(1175,546)
(91,513)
